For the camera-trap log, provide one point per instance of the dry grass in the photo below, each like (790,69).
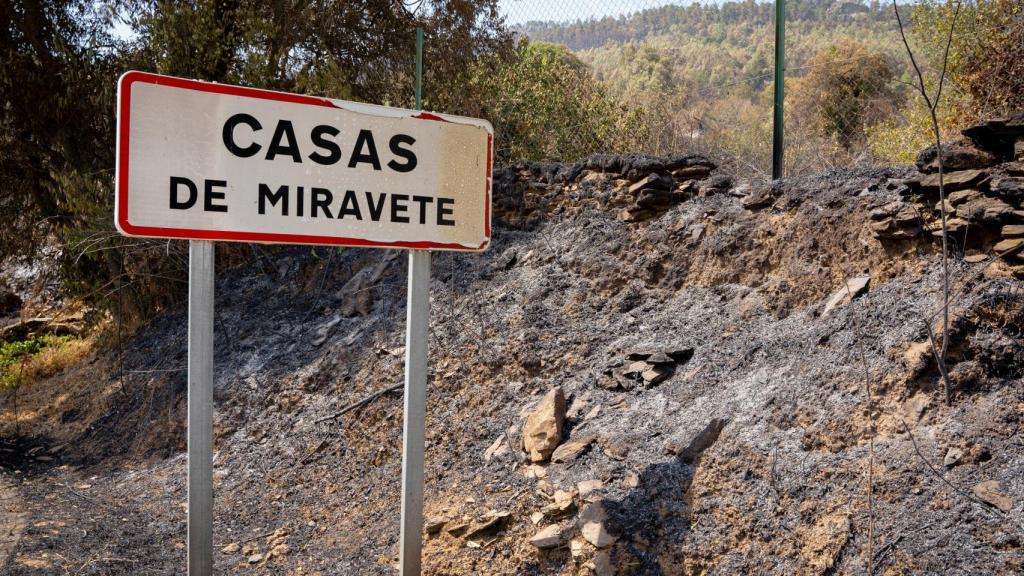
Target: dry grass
(55,359)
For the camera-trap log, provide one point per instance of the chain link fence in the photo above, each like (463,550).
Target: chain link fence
(660,77)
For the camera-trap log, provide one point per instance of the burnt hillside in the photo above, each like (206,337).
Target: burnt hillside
(737,377)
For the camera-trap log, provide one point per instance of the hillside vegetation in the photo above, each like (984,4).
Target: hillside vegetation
(703,74)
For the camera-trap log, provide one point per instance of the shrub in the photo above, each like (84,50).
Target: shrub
(847,88)
(546,105)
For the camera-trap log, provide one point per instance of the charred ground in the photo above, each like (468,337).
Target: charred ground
(748,453)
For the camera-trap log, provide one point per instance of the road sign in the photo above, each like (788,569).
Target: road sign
(208,161)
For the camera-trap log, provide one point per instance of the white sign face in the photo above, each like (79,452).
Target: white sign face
(209,161)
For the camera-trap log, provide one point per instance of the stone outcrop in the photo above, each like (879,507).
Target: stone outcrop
(983,183)
(542,432)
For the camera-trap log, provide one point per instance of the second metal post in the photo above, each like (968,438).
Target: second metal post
(200,407)
(413,441)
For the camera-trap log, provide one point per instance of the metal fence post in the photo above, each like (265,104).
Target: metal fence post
(778,142)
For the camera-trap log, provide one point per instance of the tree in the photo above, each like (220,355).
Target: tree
(57,90)
(59,64)
(984,59)
(545,104)
(848,87)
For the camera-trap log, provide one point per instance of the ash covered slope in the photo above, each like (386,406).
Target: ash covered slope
(717,419)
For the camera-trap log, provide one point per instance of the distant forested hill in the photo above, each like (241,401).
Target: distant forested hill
(700,47)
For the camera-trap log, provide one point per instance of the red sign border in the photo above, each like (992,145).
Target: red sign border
(128,229)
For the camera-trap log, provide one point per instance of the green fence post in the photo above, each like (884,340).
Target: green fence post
(778,141)
(419,67)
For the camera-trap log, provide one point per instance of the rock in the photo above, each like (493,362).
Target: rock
(434,524)
(507,260)
(888,229)
(357,294)
(953,226)
(975,258)
(487,522)
(637,368)
(1007,187)
(497,448)
(572,449)
(953,456)
(601,564)
(853,288)
(593,525)
(1008,246)
(280,550)
(616,449)
(561,502)
(715,185)
(655,375)
(983,210)
(543,429)
(278,537)
(998,134)
(1013,230)
(761,197)
(961,155)
(991,492)
(255,558)
(232,548)
(1018,150)
(954,181)
(535,472)
(587,487)
(654,199)
(660,358)
(691,172)
(536,517)
(652,182)
(916,406)
(550,537)
(456,528)
(635,214)
(957,198)
(896,220)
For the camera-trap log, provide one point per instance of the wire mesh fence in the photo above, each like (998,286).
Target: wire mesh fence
(662,77)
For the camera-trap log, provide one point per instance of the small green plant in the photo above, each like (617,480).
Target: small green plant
(13,355)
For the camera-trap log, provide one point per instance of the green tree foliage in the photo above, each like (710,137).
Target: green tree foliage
(59,63)
(985,64)
(57,71)
(545,104)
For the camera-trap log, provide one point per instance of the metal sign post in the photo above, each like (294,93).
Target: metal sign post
(200,408)
(417,323)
